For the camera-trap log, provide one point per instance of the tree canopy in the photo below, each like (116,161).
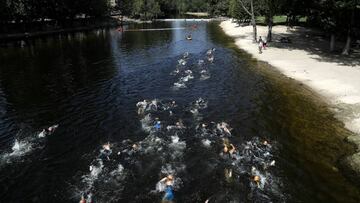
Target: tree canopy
(34,10)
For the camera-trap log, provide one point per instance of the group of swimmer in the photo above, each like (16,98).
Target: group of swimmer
(250,161)
(24,146)
(186,73)
(231,154)
(105,159)
(146,109)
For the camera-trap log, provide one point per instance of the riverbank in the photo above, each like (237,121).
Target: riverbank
(334,77)
(110,22)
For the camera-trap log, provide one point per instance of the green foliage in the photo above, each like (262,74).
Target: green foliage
(220,7)
(34,10)
(236,11)
(145,9)
(150,9)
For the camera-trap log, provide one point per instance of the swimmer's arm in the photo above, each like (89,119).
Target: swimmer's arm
(233,149)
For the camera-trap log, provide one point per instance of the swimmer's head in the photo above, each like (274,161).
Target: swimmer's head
(265,142)
(256,179)
(170,177)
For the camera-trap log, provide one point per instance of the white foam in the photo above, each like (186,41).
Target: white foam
(178,85)
(95,170)
(182,62)
(146,123)
(41,134)
(19,149)
(206,142)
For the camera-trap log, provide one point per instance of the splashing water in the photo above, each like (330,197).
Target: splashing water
(19,149)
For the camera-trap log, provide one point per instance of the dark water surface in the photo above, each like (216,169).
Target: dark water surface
(89,84)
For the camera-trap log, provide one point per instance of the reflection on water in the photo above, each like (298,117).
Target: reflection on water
(89,83)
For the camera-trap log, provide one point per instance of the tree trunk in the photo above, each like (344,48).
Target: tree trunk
(347,45)
(269,35)
(253,22)
(270,16)
(270,23)
(332,42)
(348,40)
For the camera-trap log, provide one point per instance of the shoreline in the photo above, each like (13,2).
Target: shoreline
(333,79)
(29,35)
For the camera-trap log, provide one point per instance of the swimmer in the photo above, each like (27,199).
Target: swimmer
(135,147)
(272,163)
(106,147)
(201,103)
(210,58)
(189,37)
(48,131)
(107,150)
(87,199)
(182,62)
(169,194)
(180,124)
(186,54)
(265,143)
(157,126)
(210,52)
(200,62)
(153,105)
(228,173)
(141,107)
(52,129)
(224,127)
(83,200)
(229,148)
(173,104)
(168,180)
(257,179)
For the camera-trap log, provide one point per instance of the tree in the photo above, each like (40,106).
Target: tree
(335,17)
(244,4)
(236,11)
(349,7)
(146,9)
(125,7)
(98,8)
(271,8)
(219,7)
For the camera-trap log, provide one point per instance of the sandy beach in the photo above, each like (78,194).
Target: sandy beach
(306,60)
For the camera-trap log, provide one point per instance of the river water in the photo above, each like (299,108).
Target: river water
(90,83)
